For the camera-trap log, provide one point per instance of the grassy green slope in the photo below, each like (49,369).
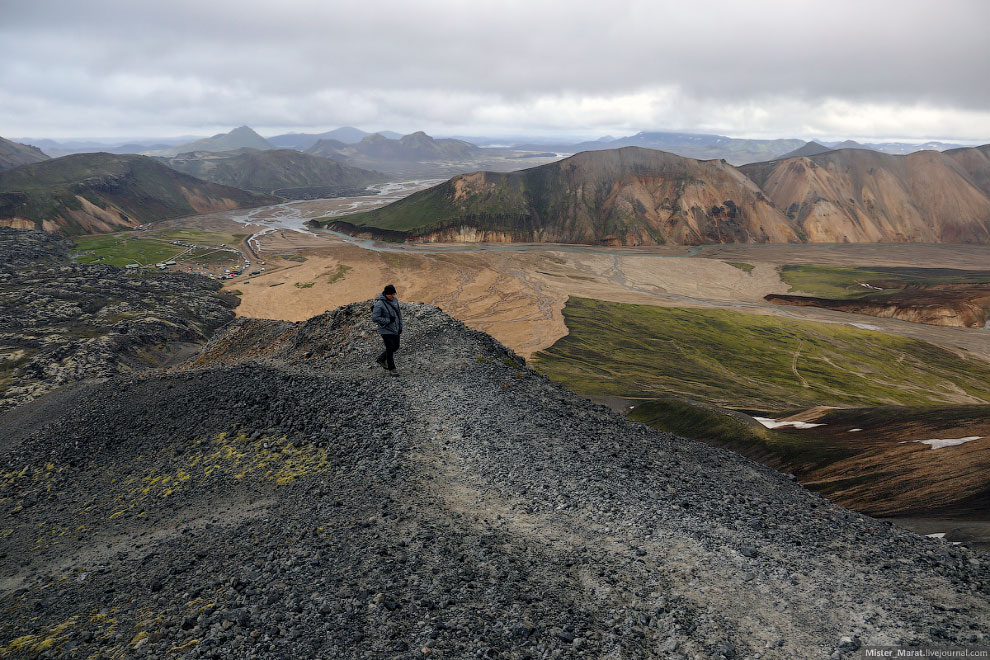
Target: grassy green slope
(435,208)
(749,362)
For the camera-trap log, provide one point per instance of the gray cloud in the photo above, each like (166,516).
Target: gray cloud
(905,68)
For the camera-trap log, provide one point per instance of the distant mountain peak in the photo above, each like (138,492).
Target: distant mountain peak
(808,149)
(238,138)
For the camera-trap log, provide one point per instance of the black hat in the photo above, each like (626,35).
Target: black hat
(389,289)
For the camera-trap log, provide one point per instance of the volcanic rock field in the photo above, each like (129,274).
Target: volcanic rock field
(61,321)
(281,497)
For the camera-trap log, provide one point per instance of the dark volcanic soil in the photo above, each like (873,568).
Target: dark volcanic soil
(285,499)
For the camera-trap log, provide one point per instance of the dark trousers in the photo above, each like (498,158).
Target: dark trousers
(391,346)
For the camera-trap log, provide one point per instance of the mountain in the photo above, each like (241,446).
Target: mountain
(278,497)
(856,195)
(63,322)
(628,196)
(65,147)
(893,148)
(93,193)
(413,147)
(808,149)
(303,141)
(330,148)
(15,154)
(851,144)
(282,172)
(701,146)
(976,162)
(419,155)
(238,138)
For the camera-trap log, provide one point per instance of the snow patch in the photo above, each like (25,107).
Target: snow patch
(771,423)
(854,430)
(865,326)
(948,442)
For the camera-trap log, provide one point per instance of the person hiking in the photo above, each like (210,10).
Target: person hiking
(388,318)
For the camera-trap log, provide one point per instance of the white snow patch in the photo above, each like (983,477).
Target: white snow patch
(854,430)
(771,423)
(865,326)
(949,442)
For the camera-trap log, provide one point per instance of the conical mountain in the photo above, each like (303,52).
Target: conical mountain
(629,196)
(239,138)
(809,149)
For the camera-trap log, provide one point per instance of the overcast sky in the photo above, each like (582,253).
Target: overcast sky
(825,69)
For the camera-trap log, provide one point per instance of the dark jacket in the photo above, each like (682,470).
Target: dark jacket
(387,315)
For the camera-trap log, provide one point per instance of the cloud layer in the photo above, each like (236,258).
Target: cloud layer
(885,68)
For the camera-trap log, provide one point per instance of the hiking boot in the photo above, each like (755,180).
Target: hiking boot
(393,372)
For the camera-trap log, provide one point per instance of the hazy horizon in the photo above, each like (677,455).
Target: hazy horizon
(536,138)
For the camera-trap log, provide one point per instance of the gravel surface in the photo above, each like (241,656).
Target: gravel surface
(61,322)
(282,497)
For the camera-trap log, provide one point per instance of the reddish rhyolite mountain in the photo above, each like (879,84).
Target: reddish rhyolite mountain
(861,196)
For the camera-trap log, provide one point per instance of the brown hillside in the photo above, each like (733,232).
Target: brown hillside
(629,196)
(861,196)
(976,162)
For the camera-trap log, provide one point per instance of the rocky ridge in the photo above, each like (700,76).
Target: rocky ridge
(279,496)
(61,322)
(15,154)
